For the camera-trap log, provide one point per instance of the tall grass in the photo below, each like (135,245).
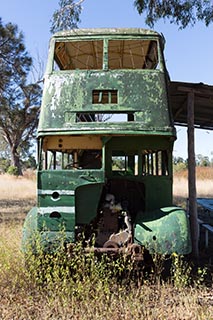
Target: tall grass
(204,185)
(17,188)
(80,287)
(17,196)
(52,287)
(204,182)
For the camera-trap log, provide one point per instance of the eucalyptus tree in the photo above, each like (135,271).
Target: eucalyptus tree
(67,16)
(180,12)
(19,100)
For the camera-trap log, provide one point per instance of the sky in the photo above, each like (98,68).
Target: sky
(188,52)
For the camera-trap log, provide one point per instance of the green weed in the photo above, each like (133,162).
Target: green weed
(74,285)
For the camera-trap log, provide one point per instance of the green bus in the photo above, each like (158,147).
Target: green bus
(105,141)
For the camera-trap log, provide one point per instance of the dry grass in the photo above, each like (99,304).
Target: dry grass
(17,196)
(204,182)
(17,188)
(204,185)
(21,298)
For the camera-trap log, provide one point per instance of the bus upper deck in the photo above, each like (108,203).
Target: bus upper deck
(99,80)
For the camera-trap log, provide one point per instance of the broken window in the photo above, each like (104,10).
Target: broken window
(105,96)
(122,54)
(132,54)
(68,152)
(76,159)
(104,117)
(124,164)
(155,163)
(71,55)
(150,162)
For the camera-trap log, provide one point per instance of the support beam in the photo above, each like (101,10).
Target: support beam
(192,176)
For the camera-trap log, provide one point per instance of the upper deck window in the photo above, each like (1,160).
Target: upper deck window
(118,54)
(132,54)
(79,55)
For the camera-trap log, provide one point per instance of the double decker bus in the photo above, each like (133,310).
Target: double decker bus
(105,141)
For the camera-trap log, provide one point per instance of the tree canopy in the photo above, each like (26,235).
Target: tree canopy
(19,100)
(67,16)
(180,12)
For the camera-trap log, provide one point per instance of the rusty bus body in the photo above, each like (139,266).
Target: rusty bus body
(105,141)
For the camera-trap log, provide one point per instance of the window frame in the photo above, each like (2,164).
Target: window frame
(105,60)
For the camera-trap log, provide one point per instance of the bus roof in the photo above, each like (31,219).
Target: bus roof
(106,32)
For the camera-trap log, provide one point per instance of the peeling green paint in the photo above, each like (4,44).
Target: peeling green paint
(72,197)
(146,97)
(164,231)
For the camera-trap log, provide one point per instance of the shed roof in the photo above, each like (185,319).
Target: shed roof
(203,103)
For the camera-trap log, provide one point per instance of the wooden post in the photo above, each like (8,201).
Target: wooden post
(192,176)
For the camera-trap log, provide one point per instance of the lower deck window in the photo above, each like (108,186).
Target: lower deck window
(125,164)
(149,162)
(78,159)
(155,163)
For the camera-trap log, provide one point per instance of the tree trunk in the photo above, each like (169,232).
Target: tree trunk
(15,160)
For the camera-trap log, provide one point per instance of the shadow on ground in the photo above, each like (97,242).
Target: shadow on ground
(15,210)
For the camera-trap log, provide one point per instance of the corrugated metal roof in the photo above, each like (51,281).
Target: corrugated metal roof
(203,103)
